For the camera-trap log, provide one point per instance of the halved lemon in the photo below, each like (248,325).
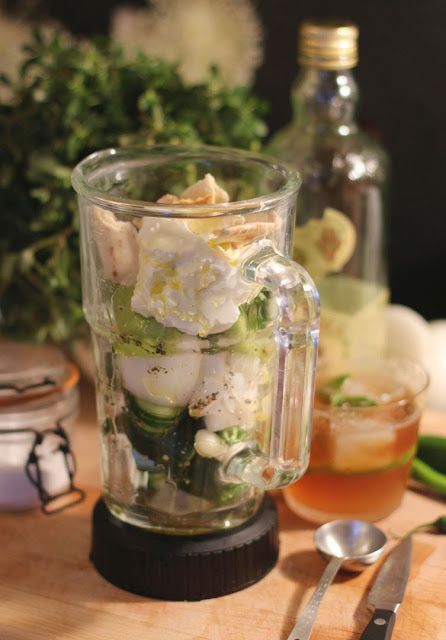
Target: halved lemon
(326,244)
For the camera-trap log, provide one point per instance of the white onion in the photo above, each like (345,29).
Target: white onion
(436,365)
(163,380)
(408,333)
(209,445)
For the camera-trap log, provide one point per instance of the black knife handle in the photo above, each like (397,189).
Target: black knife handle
(380,626)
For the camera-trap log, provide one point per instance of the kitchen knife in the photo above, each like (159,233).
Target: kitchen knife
(388,590)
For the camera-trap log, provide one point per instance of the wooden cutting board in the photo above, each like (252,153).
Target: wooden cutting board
(50,591)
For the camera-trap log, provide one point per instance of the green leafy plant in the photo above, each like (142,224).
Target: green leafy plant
(70,99)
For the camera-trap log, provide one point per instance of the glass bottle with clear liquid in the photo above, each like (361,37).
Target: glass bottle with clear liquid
(339,236)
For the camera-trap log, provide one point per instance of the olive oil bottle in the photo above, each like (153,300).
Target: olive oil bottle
(339,237)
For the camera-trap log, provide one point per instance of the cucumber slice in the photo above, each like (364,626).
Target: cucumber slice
(141,336)
(172,455)
(152,418)
(137,333)
(127,346)
(158,411)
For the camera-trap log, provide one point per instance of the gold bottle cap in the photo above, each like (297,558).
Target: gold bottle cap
(328,44)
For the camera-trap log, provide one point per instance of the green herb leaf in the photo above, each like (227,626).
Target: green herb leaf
(331,392)
(232,435)
(333,386)
(71,99)
(339,400)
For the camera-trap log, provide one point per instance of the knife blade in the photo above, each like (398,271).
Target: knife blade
(388,590)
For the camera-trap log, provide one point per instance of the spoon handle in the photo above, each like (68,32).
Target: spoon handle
(304,625)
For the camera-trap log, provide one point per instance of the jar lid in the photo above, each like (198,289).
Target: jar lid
(38,399)
(328,44)
(28,371)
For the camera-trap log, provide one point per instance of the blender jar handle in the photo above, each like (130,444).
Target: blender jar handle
(286,447)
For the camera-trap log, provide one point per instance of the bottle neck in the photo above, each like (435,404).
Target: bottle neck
(325,101)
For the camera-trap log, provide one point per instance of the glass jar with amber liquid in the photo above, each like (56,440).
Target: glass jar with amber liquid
(339,236)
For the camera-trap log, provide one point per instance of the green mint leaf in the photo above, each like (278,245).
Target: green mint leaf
(339,400)
(332,387)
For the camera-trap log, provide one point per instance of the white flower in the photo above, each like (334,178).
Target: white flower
(13,35)
(195,34)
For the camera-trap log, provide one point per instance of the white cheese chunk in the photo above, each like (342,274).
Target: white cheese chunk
(185,283)
(206,187)
(228,393)
(117,245)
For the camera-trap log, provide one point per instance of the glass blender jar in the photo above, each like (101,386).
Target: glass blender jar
(204,334)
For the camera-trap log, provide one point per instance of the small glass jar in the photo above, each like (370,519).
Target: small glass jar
(39,401)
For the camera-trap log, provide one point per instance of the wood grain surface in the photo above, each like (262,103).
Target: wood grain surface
(50,591)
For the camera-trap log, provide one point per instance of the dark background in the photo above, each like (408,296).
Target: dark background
(402,77)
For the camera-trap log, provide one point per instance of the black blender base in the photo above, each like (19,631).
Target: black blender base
(184,567)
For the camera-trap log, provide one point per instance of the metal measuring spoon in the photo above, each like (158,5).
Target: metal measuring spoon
(350,544)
